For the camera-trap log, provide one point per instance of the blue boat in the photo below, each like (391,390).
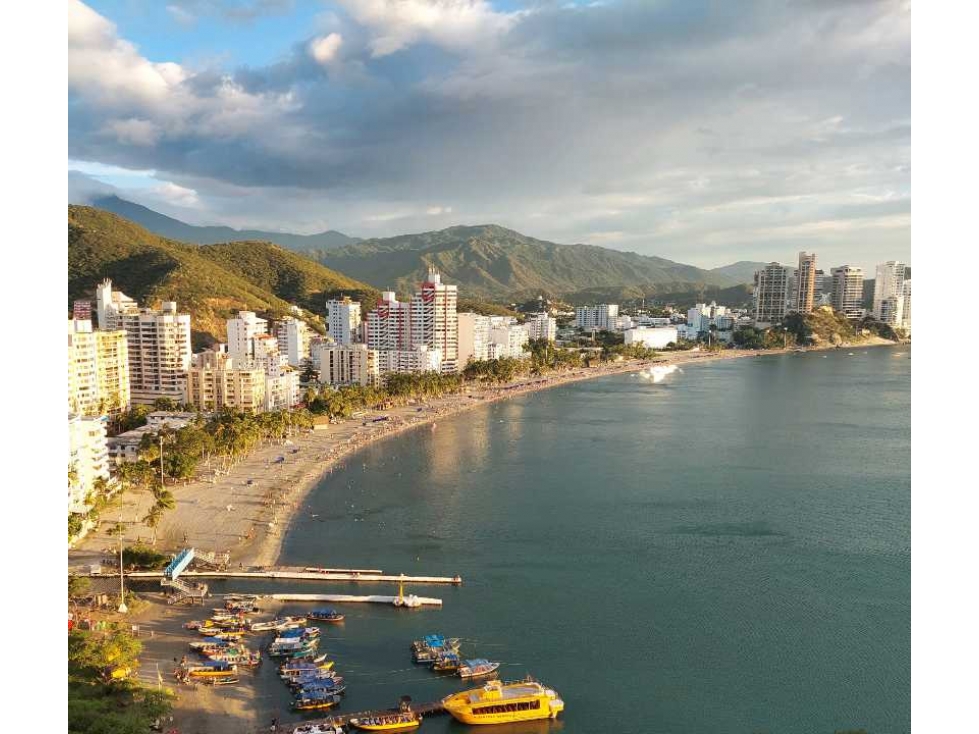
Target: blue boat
(326,615)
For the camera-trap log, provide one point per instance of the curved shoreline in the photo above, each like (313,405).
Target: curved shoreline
(248,511)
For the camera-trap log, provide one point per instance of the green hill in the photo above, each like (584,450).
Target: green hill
(210,282)
(492,262)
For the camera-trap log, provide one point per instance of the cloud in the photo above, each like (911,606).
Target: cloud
(325,48)
(697,131)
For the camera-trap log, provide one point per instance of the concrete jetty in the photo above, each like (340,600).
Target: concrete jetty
(303,575)
(351,598)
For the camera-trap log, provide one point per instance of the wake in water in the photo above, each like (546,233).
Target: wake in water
(657,373)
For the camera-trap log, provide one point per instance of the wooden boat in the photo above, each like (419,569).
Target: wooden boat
(477,668)
(326,727)
(504,703)
(388,722)
(220,681)
(427,649)
(446,662)
(315,701)
(210,668)
(326,615)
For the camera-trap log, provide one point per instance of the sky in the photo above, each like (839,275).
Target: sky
(703,132)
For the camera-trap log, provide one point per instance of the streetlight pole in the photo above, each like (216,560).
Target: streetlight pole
(162,482)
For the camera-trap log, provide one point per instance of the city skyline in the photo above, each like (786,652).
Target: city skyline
(384,118)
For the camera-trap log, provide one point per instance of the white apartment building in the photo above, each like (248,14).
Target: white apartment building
(293,336)
(601,317)
(509,338)
(419,359)
(888,301)
(848,291)
(353,364)
(343,320)
(242,331)
(805,283)
(389,324)
(434,320)
(215,383)
(158,344)
(771,293)
(652,337)
(906,310)
(88,460)
(474,337)
(541,326)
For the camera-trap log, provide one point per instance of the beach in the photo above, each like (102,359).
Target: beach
(245,510)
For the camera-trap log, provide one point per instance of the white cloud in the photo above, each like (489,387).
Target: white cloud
(325,48)
(455,24)
(176,195)
(436,210)
(181,15)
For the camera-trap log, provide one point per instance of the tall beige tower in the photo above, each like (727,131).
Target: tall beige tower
(805,282)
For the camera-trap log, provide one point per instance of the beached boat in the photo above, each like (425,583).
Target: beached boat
(228,680)
(477,668)
(248,658)
(209,668)
(504,703)
(388,722)
(325,615)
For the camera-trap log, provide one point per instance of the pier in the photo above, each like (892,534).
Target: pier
(297,574)
(433,708)
(425,601)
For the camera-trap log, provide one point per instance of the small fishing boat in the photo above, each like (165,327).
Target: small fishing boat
(326,615)
(315,701)
(388,722)
(209,668)
(477,668)
(446,662)
(326,727)
(312,679)
(427,649)
(220,681)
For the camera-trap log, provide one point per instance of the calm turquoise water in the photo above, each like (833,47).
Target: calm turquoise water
(726,551)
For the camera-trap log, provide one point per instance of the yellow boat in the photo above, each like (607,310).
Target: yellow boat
(388,722)
(503,703)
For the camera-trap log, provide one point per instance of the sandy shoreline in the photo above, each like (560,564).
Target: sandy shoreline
(247,511)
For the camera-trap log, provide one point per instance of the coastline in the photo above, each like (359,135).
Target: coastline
(248,511)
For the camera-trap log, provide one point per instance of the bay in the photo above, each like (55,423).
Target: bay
(727,550)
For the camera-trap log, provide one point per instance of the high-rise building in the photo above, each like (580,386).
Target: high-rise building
(848,291)
(389,324)
(242,331)
(214,382)
(353,364)
(112,305)
(805,283)
(541,326)
(906,310)
(770,293)
(343,320)
(293,335)
(158,344)
(434,320)
(88,460)
(474,330)
(888,301)
(602,317)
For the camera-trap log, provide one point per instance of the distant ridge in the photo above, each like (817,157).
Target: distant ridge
(490,261)
(209,235)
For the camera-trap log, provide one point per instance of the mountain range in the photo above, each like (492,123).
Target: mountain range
(174,229)
(487,262)
(211,282)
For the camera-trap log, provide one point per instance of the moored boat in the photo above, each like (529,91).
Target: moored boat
(315,701)
(503,703)
(326,727)
(388,722)
(477,668)
(446,662)
(326,615)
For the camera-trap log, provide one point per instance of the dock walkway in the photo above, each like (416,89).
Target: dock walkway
(289,574)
